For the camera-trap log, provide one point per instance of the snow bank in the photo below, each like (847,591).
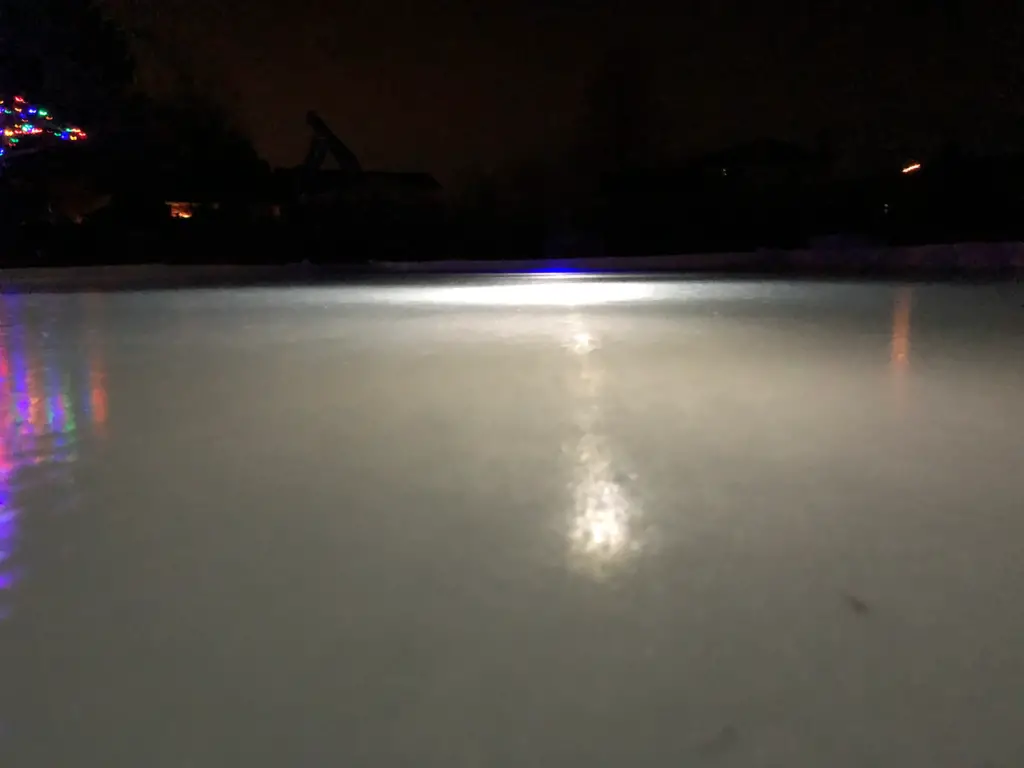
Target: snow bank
(136,276)
(965,257)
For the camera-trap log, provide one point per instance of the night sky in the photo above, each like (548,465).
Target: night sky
(457,86)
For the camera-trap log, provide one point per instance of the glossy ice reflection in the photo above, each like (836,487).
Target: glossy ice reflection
(52,383)
(726,524)
(604,519)
(530,291)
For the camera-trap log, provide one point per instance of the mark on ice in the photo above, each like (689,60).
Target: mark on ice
(856,605)
(720,743)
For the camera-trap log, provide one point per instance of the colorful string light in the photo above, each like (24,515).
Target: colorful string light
(20,119)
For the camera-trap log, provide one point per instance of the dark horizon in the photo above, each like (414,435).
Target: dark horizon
(540,121)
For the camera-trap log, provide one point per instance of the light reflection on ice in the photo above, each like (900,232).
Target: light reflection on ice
(601,526)
(44,402)
(535,292)
(603,519)
(900,346)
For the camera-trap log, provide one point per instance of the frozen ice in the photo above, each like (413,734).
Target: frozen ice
(513,521)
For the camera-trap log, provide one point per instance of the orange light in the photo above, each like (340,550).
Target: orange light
(912,167)
(98,401)
(97,380)
(181,210)
(35,402)
(900,346)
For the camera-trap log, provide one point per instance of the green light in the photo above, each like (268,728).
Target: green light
(69,413)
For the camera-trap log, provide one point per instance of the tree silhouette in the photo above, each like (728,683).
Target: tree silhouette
(619,130)
(174,115)
(69,53)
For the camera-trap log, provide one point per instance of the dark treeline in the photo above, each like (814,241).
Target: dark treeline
(698,209)
(763,195)
(715,204)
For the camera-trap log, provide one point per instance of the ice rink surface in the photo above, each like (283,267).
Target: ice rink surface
(550,521)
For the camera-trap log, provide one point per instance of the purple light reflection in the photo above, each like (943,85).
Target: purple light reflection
(41,401)
(555,269)
(8,579)
(8,521)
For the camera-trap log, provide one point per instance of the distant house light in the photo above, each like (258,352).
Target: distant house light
(181,210)
(912,167)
